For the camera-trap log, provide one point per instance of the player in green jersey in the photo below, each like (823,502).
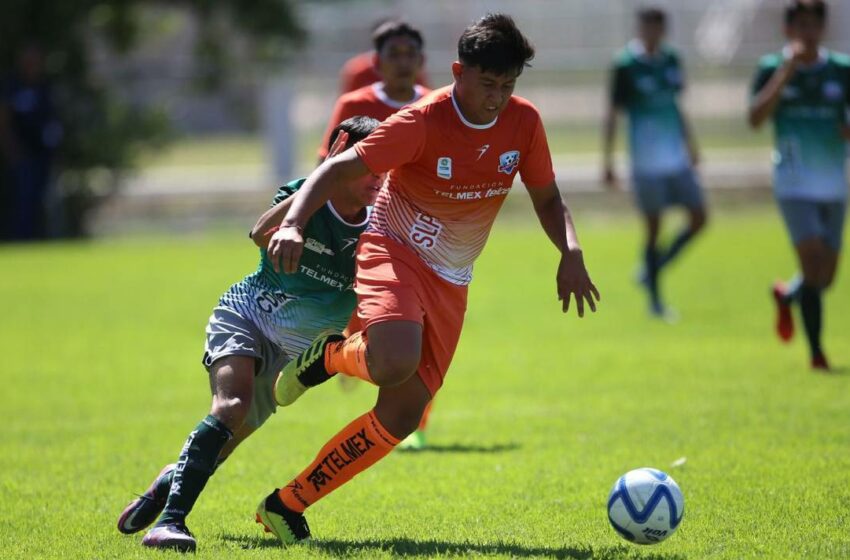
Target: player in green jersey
(259,323)
(805,90)
(646,81)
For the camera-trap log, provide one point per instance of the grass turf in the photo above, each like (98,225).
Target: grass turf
(540,414)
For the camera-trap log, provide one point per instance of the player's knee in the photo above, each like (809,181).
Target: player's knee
(400,421)
(393,367)
(232,411)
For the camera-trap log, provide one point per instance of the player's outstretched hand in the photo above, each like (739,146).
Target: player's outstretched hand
(285,248)
(574,281)
(339,144)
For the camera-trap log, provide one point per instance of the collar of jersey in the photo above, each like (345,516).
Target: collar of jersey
(378,88)
(349,224)
(466,122)
(638,50)
(823,55)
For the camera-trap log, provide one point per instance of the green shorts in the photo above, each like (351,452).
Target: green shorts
(231,334)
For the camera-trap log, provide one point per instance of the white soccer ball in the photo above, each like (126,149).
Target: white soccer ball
(645,506)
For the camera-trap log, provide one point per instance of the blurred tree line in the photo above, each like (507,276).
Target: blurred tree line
(89,133)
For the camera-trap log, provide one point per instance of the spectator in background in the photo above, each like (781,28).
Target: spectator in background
(362,69)
(29,135)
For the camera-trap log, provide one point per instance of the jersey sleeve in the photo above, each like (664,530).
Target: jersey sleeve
(618,87)
(761,77)
(535,168)
(399,140)
(286,191)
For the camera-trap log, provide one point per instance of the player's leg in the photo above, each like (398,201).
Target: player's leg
(232,383)
(813,254)
(387,351)
(819,260)
(649,192)
(688,193)
(357,447)
(417,440)
(807,228)
(651,261)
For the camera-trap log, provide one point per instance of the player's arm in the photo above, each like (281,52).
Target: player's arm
(556,220)
(687,129)
(690,140)
(766,98)
(609,124)
(286,244)
(270,221)
(399,139)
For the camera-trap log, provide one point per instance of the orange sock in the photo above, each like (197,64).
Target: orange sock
(357,447)
(349,357)
(423,422)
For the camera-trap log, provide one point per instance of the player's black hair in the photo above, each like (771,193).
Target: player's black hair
(795,8)
(358,128)
(390,29)
(652,15)
(495,44)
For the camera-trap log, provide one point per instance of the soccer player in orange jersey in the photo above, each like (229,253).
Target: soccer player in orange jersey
(451,159)
(399,59)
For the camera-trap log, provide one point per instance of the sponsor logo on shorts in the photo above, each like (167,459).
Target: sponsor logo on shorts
(508,162)
(444,167)
(340,457)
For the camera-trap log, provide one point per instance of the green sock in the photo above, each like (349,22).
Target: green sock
(197,462)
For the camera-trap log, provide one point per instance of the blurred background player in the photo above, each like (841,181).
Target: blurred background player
(805,90)
(452,158)
(399,60)
(258,324)
(362,69)
(646,81)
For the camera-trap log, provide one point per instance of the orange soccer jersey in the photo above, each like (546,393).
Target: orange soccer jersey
(448,177)
(369,101)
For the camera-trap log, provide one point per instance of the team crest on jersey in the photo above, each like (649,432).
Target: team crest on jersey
(444,167)
(832,90)
(508,162)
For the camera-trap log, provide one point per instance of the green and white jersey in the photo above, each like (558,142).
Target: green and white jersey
(291,310)
(647,88)
(809,150)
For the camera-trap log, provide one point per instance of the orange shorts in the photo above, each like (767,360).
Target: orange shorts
(394,284)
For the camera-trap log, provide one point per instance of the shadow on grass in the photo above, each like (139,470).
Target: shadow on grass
(409,548)
(462,448)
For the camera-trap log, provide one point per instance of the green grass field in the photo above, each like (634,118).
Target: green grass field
(540,413)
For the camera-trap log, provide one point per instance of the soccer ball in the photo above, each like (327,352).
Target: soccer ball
(645,506)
